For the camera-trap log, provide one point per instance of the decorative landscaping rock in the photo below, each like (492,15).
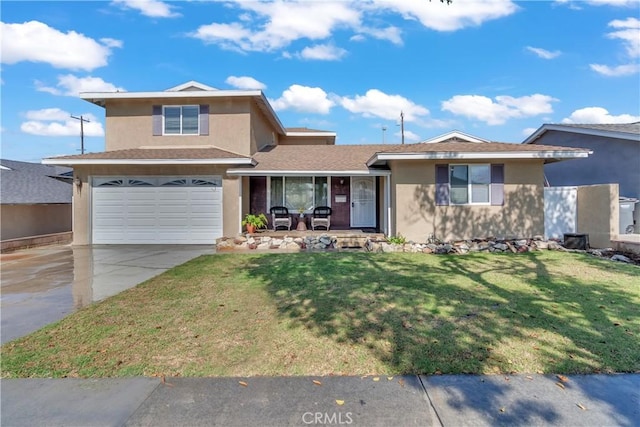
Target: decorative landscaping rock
(373,244)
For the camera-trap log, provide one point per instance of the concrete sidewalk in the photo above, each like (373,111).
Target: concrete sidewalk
(465,400)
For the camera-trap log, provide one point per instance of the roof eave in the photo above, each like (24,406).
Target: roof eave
(381,158)
(354,172)
(80,162)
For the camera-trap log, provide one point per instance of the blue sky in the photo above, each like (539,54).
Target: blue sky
(494,69)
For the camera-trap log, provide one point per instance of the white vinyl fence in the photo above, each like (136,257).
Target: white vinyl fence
(560,211)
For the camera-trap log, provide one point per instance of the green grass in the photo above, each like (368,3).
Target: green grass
(352,313)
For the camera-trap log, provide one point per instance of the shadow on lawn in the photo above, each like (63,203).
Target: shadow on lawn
(451,317)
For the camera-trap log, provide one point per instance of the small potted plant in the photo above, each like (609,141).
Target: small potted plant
(253,222)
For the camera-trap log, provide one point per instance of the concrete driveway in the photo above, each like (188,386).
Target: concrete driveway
(42,285)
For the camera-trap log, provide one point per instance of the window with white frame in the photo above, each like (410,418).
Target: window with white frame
(181,119)
(299,193)
(470,184)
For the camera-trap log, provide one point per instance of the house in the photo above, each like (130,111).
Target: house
(615,159)
(35,199)
(186,164)
(454,136)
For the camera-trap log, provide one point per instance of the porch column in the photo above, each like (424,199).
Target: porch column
(240,179)
(387,204)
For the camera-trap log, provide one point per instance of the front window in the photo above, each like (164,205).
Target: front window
(300,193)
(470,184)
(181,120)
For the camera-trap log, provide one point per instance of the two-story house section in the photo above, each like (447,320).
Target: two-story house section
(163,177)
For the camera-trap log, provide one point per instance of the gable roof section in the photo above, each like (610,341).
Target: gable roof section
(189,86)
(194,90)
(24,183)
(629,131)
(155,156)
(474,151)
(313,159)
(454,136)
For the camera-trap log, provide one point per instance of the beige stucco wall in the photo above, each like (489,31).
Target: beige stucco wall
(82,195)
(129,124)
(306,140)
(262,132)
(416,215)
(34,220)
(598,213)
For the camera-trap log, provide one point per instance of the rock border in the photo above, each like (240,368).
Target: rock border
(328,242)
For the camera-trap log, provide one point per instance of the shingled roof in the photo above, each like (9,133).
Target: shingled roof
(24,183)
(627,131)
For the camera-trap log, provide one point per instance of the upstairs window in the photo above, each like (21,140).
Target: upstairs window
(181,120)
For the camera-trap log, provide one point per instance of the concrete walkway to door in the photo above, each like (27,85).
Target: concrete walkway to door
(42,285)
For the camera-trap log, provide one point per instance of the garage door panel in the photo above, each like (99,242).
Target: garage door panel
(184,213)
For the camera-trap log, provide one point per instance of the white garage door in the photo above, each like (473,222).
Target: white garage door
(148,210)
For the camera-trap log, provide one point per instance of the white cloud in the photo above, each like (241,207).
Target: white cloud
(70,85)
(245,82)
(304,99)
(375,103)
(575,4)
(597,115)
(455,16)
(357,38)
(543,53)
(274,25)
(528,131)
(57,122)
(628,32)
(37,42)
(499,111)
(323,52)
(109,42)
(408,136)
(617,71)
(150,8)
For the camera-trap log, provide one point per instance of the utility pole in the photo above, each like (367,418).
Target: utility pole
(384,128)
(402,125)
(82,120)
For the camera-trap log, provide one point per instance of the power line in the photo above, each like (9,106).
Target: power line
(82,120)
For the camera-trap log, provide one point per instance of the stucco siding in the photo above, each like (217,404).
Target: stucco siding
(130,125)
(613,161)
(306,140)
(417,217)
(262,133)
(34,220)
(598,214)
(82,195)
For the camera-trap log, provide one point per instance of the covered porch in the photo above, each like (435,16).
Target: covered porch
(359,203)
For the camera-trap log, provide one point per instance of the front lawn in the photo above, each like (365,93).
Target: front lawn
(352,313)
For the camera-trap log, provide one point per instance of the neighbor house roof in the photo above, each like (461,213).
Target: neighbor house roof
(454,136)
(155,156)
(23,183)
(191,89)
(630,131)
